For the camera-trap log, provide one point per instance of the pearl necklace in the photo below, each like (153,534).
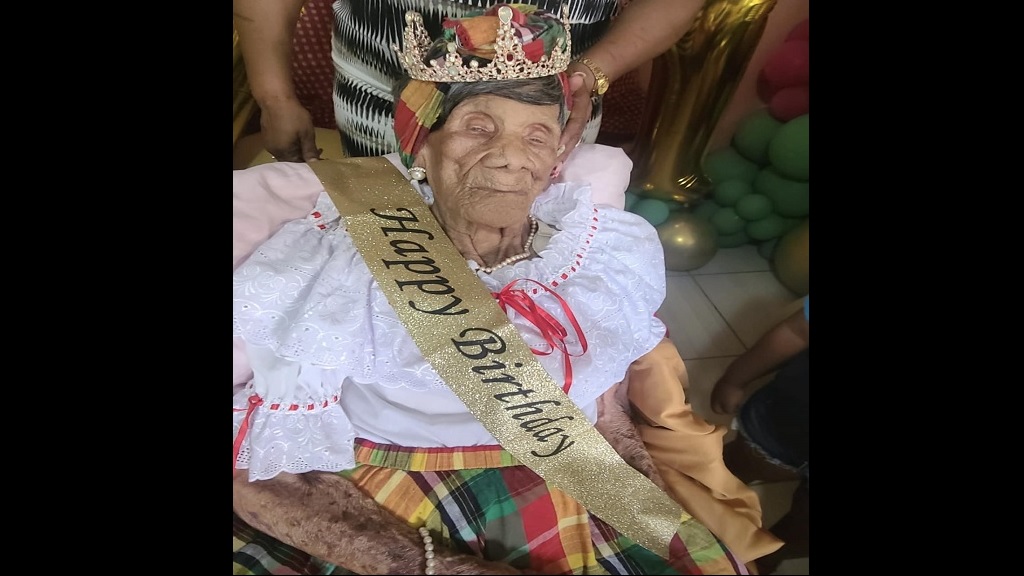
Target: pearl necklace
(526,249)
(428,551)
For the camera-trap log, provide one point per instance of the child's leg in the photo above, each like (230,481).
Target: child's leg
(764,452)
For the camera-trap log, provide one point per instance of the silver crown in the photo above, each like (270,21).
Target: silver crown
(509,59)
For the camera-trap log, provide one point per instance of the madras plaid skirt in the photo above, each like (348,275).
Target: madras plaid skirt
(481,501)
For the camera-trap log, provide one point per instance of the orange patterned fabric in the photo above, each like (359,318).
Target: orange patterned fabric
(687,451)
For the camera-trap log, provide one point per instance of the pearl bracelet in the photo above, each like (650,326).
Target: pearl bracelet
(428,550)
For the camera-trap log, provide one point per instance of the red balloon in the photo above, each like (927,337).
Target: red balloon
(789,103)
(799,32)
(788,65)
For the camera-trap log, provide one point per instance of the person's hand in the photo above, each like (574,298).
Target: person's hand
(287,130)
(727,397)
(581,108)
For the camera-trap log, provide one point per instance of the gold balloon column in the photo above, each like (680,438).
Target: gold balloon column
(695,80)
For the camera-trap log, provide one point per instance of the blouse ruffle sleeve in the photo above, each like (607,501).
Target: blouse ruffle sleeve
(287,417)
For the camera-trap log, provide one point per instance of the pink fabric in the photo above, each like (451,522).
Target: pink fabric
(607,169)
(266,196)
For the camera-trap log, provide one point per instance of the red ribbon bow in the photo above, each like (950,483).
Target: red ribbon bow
(551,329)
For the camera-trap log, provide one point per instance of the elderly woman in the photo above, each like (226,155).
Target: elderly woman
(419,361)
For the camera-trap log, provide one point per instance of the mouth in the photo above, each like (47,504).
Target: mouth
(499,189)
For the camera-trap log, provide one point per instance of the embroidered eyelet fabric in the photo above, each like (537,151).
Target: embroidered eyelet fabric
(329,353)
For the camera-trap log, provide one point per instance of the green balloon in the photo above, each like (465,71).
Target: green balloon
(790,198)
(729,192)
(753,135)
(765,228)
(788,151)
(732,240)
(728,164)
(753,207)
(706,209)
(653,210)
(727,221)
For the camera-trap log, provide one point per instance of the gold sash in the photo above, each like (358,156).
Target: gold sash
(468,340)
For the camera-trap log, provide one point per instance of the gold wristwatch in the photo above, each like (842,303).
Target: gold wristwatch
(600,79)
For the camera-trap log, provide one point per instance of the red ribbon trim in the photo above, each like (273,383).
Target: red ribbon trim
(254,401)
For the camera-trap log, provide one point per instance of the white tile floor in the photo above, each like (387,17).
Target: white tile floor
(714,313)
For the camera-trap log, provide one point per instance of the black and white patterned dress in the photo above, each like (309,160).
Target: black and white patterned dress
(366,67)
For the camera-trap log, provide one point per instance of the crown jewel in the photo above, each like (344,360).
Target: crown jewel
(509,61)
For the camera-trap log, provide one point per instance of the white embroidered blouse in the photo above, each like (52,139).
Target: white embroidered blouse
(330,360)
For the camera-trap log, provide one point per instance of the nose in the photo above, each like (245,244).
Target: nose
(507,151)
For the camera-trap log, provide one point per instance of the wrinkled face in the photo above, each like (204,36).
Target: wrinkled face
(491,159)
